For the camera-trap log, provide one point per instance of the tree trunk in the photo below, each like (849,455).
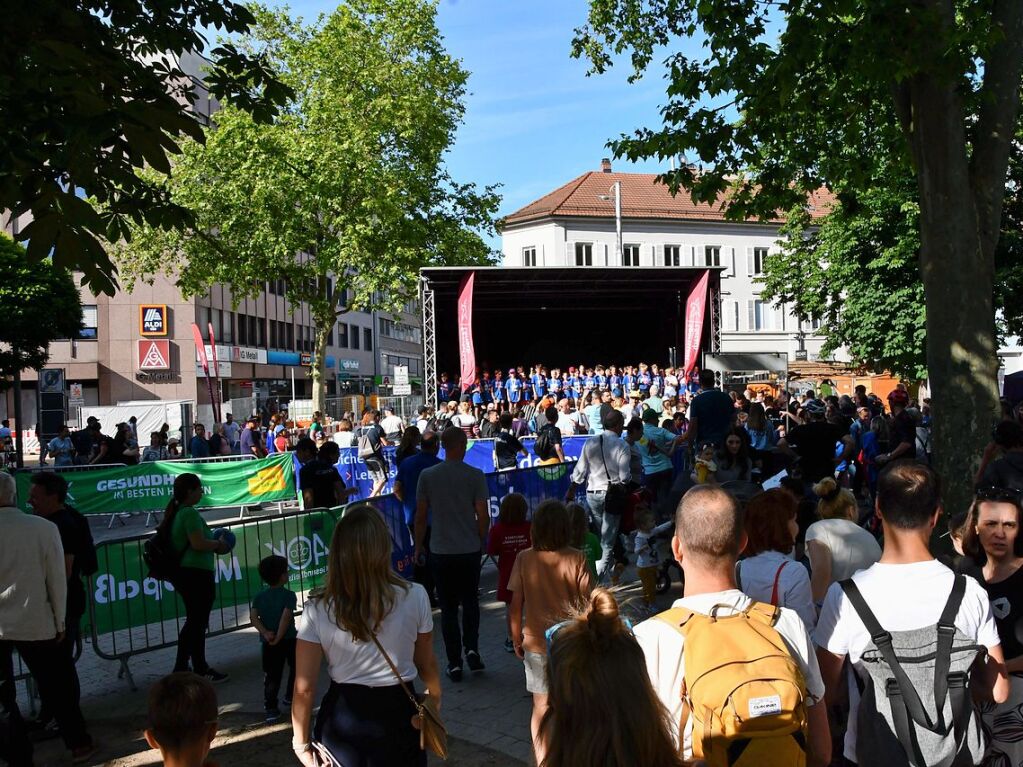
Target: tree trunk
(318,371)
(962,355)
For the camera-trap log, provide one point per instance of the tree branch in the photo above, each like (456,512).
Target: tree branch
(999,107)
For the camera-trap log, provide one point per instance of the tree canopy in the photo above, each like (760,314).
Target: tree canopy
(92,91)
(41,305)
(790,96)
(346,194)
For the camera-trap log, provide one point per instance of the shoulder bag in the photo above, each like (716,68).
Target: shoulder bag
(617,496)
(433,736)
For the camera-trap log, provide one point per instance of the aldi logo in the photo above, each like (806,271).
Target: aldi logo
(153,320)
(154,355)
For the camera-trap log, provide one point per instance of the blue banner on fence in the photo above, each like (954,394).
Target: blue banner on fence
(537,483)
(480,454)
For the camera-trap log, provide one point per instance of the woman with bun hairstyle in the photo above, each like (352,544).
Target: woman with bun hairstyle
(836,546)
(194,581)
(597,673)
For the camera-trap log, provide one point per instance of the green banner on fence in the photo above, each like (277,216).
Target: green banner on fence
(148,486)
(125,597)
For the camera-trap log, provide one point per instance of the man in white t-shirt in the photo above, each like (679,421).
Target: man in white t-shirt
(708,538)
(392,424)
(906,590)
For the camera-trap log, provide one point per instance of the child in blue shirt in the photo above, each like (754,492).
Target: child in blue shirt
(273,616)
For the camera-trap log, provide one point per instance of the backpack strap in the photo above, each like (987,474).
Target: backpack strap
(946,633)
(904,698)
(774,589)
(677,618)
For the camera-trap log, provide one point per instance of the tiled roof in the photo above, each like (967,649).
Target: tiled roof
(642,197)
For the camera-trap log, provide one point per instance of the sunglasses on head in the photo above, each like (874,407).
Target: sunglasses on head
(549,634)
(1007,494)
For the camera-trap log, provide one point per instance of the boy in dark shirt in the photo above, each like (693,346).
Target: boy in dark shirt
(273,615)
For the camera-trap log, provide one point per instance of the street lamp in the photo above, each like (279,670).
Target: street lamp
(615,193)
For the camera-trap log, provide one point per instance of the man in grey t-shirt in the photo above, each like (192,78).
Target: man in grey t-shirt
(454,495)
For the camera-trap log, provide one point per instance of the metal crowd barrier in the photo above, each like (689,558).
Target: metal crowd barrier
(131,613)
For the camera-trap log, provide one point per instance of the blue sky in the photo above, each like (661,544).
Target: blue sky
(534,120)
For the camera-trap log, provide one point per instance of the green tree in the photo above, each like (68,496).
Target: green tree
(856,270)
(41,304)
(793,95)
(348,183)
(90,92)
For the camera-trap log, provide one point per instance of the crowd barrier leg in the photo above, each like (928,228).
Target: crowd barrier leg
(125,672)
(115,517)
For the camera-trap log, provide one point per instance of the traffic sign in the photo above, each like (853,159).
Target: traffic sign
(76,396)
(400,375)
(402,390)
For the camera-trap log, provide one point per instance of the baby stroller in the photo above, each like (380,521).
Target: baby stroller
(662,536)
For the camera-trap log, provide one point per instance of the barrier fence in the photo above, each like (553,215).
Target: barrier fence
(131,613)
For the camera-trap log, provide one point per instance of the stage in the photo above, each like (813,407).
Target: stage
(562,316)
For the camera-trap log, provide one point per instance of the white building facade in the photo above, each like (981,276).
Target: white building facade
(576,226)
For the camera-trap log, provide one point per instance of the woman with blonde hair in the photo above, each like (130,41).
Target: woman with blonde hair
(836,546)
(597,672)
(373,628)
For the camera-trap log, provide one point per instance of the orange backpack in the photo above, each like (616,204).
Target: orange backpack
(742,688)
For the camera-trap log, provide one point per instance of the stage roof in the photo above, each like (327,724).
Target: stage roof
(499,288)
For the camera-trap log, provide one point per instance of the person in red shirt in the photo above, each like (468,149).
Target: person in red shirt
(507,538)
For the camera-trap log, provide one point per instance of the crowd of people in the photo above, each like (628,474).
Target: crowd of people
(784,591)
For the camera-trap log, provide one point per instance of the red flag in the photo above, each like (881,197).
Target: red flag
(696,305)
(200,349)
(216,374)
(466,353)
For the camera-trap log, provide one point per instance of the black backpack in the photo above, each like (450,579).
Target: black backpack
(86,560)
(160,555)
(544,445)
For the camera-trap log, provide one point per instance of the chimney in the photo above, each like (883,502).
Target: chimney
(605,165)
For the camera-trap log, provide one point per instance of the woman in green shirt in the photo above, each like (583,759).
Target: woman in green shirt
(195,581)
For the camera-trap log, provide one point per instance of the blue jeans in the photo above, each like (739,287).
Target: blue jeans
(608,525)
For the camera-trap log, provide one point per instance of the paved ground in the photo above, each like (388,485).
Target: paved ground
(487,715)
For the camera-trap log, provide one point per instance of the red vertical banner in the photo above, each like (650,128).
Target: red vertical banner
(216,376)
(466,352)
(696,307)
(200,349)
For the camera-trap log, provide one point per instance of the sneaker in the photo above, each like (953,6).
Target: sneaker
(83,754)
(475,661)
(215,676)
(508,646)
(455,673)
(272,715)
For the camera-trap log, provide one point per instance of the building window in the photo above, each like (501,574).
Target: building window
(672,255)
(757,261)
(367,339)
(712,255)
(529,256)
(90,323)
(584,254)
(290,332)
(813,323)
(342,335)
(761,316)
(273,335)
(243,331)
(630,255)
(401,331)
(730,310)
(355,336)
(228,327)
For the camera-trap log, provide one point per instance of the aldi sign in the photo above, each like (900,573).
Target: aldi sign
(153,320)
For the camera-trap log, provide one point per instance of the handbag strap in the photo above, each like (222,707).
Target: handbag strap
(394,670)
(603,460)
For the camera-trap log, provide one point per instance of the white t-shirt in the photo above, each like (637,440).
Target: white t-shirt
(391,424)
(902,598)
(351,662)
(344,438)
(662,646)
(852,548)
(756,579)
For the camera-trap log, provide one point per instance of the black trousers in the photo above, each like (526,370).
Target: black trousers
(369,726)
(274,659)
(15,747)
(67,645)
(458,582)
(423,574)
(53,670)
(197,589)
